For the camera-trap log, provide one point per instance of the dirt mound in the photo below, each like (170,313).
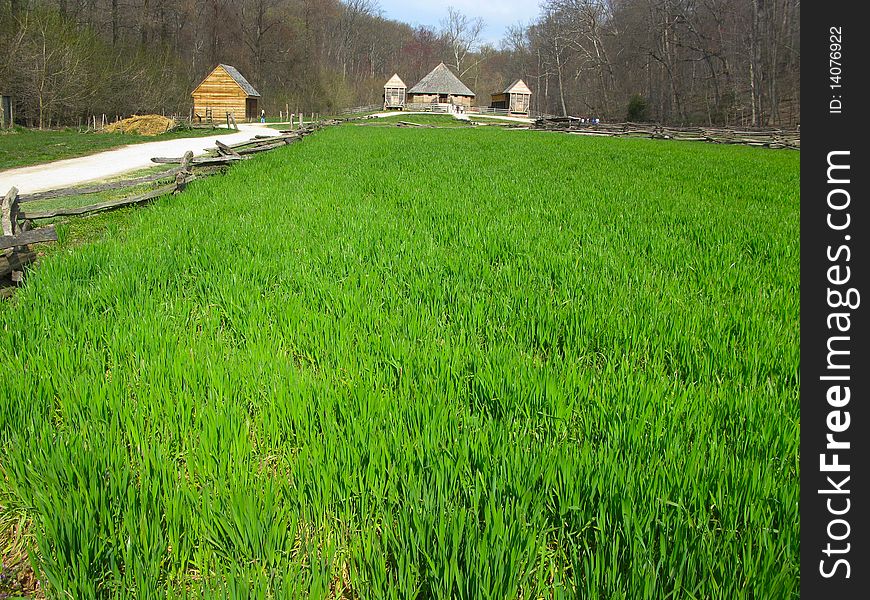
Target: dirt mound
(142,124)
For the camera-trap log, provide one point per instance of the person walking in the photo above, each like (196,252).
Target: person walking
(263,116)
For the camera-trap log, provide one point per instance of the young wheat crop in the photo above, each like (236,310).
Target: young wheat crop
(392,363)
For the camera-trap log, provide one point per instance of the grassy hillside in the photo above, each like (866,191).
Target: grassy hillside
(396,362)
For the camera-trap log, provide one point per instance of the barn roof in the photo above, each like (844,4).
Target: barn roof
(517,87)
(441,80)
(243,83)
(395,82)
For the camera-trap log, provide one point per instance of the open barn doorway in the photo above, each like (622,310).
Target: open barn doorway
(251,109)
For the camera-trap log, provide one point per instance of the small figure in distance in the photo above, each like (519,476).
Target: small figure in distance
(263,116)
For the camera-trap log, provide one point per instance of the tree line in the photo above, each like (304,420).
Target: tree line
(674,61)
(731,62)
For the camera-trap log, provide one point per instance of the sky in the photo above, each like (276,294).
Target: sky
(497,15)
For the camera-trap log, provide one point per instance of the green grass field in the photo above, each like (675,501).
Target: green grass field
(24,147)
(441,120)
(433,119)
(392,363)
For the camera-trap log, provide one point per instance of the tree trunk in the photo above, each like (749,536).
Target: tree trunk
(115,24)
(754,74)
(143,23)
(559,73)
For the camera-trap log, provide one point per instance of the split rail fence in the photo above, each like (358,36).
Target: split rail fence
(769,138)
(17,218)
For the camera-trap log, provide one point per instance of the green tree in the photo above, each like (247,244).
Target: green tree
(638,109)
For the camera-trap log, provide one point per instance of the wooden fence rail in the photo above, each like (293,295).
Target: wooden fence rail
(34,236)
(101,187)
(361,109)
(17,221)
(198,162)
(769,138)
(100,206)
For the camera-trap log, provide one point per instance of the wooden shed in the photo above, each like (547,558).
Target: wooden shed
(516,98)
(225,91)
(441,86)
(394,93)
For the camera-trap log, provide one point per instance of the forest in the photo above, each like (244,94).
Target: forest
(716,62)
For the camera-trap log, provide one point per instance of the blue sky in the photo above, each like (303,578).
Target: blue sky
(497,15)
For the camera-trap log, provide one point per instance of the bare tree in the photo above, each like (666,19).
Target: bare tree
(352,16)
(463,37)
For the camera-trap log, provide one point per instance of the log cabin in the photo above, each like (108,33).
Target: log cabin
(224,91)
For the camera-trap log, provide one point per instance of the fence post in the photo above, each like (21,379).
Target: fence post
(183,175)
(8,220)
(9,225)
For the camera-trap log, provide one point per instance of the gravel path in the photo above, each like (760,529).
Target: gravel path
(73,171)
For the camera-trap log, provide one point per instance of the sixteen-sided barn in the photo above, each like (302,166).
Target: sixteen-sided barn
(441,86)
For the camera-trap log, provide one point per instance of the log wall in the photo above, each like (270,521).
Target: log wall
(430,98)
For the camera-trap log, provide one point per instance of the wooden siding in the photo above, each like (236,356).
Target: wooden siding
(430,98)
(394,97)
(518,87)
(515,103)
(221,94)
(519,103)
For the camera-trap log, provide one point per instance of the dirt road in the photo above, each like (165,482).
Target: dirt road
(72,171)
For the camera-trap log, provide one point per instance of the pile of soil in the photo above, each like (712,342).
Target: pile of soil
(142,125)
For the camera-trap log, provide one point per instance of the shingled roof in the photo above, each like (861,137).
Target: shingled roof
(441,80)
(243,83)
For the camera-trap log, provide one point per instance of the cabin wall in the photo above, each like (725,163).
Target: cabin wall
(422,98)
(219,107)
(430,98)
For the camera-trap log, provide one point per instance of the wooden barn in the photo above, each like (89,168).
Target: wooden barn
(225,91)
(516,98)
(394,93)
(441,86)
